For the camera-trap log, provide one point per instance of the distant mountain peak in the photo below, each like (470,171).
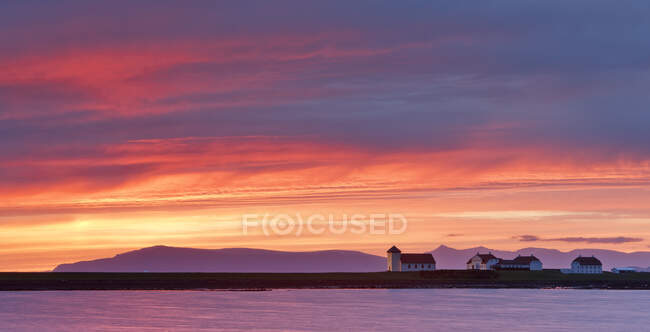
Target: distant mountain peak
(450,258)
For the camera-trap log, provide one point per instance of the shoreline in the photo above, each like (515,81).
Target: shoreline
(548,279)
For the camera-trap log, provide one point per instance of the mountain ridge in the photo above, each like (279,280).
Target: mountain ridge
(179,259)
(163,258)
(451,258)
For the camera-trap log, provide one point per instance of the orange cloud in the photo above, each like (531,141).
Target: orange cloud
(165,132)
(196,169)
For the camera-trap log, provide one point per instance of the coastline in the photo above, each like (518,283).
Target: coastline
(33,281)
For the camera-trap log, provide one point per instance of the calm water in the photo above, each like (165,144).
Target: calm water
(328,310)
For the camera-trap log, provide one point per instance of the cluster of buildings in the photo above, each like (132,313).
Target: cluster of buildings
(490,262)
(398,262)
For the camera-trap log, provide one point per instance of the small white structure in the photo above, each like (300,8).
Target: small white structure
(398,262)
(482,262)
(586,265)
(619,270)
(530,263)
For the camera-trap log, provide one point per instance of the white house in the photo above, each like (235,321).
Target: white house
(530,263)
(482,262)
(398,262)
(586,265)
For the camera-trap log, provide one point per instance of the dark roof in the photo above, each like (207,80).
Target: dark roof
(588,261)
(520,260)
(524,260)
(484,258)
(417,259)
(394,249)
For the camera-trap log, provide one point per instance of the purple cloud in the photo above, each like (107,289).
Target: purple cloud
(617,239)
(528,238)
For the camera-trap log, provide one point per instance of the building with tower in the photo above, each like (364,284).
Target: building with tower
(401,262)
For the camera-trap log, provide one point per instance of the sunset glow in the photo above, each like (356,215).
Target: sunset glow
(481,129)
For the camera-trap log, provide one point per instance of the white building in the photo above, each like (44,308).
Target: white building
(530,263)
(586,265)
(482,262)
(619,270)
(398,262)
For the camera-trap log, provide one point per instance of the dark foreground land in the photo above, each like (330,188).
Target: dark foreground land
(262,281)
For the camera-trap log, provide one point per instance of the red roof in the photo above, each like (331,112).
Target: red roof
(394,249)
(588,261)
(520,260)
(525,260)
(484,258)
(417,259)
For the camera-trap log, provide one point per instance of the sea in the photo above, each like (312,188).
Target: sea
(328,310)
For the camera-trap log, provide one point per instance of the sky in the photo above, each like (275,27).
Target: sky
(507,124)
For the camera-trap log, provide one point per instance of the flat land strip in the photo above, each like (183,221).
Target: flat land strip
(14,281)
